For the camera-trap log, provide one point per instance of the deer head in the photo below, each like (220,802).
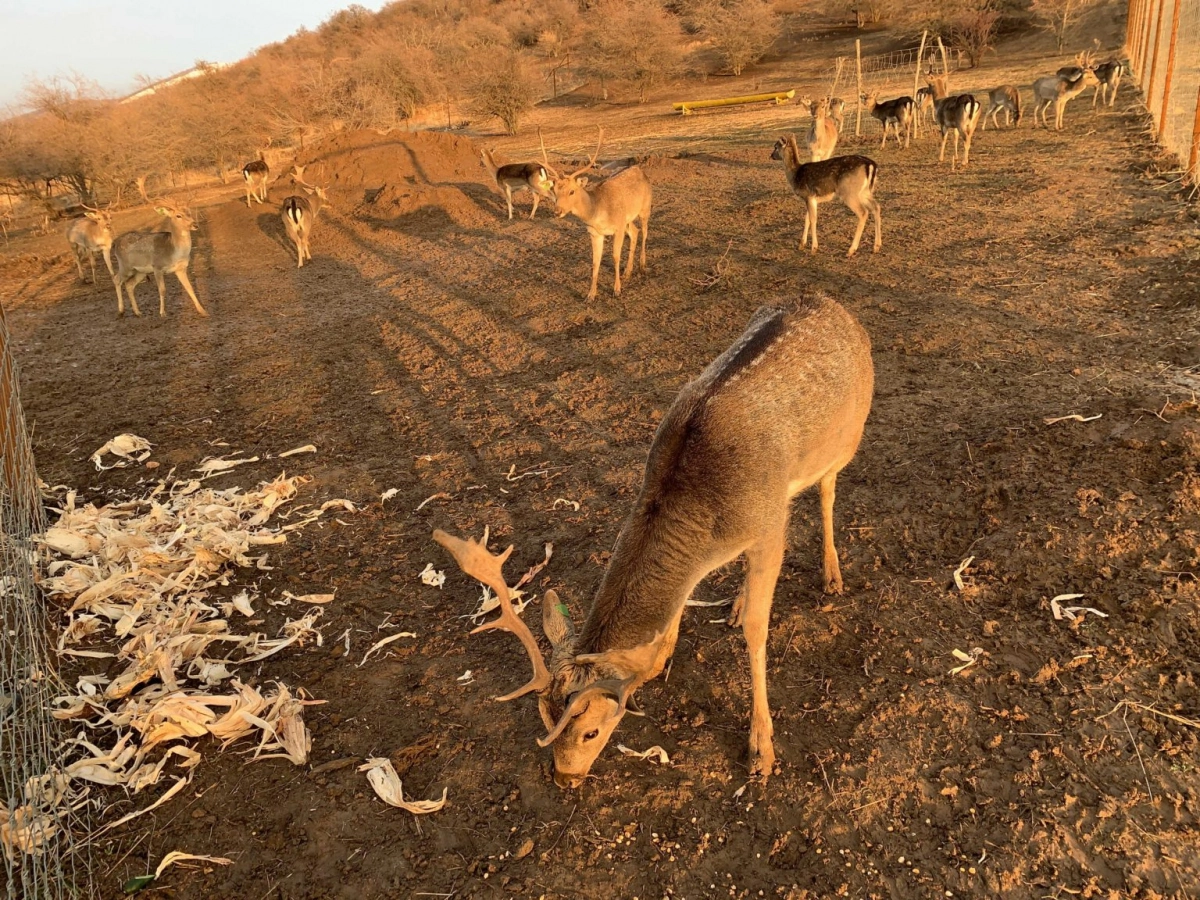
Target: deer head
(181,219)
(100,216)
(567,190)
(581,697)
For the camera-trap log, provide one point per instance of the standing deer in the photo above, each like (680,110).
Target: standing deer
(823,134)
(849,178)
(1109,77)
(90,235)
(897,114)
(256,174)
(781,410)
(513,178)
(923,108)
(613,207)
(837,112)
(1007,98)
(139,254)
(958,114)
(300,217)
(1058,90)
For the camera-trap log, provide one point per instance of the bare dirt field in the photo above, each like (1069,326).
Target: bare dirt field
(432,346)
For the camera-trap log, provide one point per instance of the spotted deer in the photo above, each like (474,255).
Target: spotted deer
(1108,75)
(299,214)
(849,178)
(91,235)
(923,108)
(1007,98)
(256,174)
(512,178)
(139,254)
(1058,91)
(895,114)
(958,114)
(781,410)
(613,207)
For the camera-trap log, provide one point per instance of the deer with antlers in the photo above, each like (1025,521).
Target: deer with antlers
(781,410)
(1059,89)
(91,235)
(614,207)
(139,254)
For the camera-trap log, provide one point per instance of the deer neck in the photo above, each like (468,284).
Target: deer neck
(791,158)
(181,239)
(587,208)
(654,568)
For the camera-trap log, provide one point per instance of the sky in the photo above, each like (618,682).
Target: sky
(112,42)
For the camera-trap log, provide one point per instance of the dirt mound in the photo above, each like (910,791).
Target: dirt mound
(427,174)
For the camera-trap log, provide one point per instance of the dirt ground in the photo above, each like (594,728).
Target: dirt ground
(436,348)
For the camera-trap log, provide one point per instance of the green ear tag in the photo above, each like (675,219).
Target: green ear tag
(562,608)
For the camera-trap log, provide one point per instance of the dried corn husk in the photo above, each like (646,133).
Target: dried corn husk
(386,782)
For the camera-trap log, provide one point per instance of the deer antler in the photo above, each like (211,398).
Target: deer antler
(545,159)
(618,688)
(474,559)
(592,161)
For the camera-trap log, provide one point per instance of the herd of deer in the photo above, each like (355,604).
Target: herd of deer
(781,410)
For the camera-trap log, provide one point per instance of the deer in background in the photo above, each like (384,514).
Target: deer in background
(897,114)
(923,108)
(849,178)
(91,235)
(299,215)
(139,254)
(613,207)
(512,178)
(822,135)
(781,410)
(837,113)
(256,174)
(1007,98)
(1059,90)
(1109,77)
(958,114)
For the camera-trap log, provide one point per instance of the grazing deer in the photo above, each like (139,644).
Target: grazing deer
(1007,98)
(256,174)
(613,207)
(513,178)
(897,114)
(90,235)
(140,254)
(1059,90)
(781,410)
(299,216)
(849,178)
(958,114)
(822,135)
(1109,77)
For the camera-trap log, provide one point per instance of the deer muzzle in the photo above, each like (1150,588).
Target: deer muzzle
(567,781)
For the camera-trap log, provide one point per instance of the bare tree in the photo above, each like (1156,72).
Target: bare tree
(973,29)
(741,31)
(1059,15)
(634,41)
(505,92)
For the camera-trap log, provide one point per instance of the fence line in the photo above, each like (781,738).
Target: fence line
(1162,43)
(42,860)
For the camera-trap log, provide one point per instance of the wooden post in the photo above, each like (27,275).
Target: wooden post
(1133,31)
(917,74)
(945,65)
(1192,157)
(1162,117)
(858,96)
(1162,6)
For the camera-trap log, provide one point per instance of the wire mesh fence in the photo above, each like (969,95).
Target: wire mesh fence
(1163,46)
(42,860)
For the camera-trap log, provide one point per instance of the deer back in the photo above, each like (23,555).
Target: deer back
(159,250)
(607,207)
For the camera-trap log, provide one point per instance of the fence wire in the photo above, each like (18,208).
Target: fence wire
(1151,25)
(42,860)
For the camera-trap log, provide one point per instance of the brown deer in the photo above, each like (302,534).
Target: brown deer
(781,410)
(898,114)
(512,178)
(1007,98)
(1059,90)
(139,254)
(256,174)
(91,235)
(299,216)
(822,136)
(958,115)
(849,178)
(613,207)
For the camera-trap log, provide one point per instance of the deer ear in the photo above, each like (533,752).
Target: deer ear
(556,620)
(162,210)
(583,182)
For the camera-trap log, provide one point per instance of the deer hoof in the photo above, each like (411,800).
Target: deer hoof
(834,585)
(762,764)
(739,608)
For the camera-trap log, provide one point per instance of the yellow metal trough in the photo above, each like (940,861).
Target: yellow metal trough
(778,97)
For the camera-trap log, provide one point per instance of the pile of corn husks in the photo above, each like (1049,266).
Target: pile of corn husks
(136,581)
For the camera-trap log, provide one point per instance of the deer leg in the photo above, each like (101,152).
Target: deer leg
(299,250)
(878,232)
(885,134)
(942,155)
(856,207)
(130,284)
(833,572)
(508,197)
(762,571)
(160,281)
(618,243)
(967,148)
(812,213)
(908,128)
(182,275)
(78,261)
(633,241)
(120,297)
(92,263)
(536,198)
(597,252)
(807,221)
(645,234)
(107,253)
